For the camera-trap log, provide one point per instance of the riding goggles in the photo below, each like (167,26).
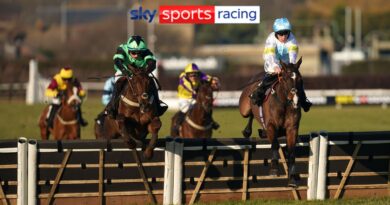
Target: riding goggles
(135,52)
(283,33)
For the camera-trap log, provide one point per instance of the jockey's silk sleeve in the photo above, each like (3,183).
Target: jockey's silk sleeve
(184,89)
(292,47)
(269,54)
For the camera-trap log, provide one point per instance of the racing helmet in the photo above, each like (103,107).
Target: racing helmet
(191,68)
(281,24)
(66,73)
(136,43)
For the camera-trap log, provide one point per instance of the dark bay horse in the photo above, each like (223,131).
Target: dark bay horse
(65,124)
(137,113)
(282,115)
(198,121)
(107,129)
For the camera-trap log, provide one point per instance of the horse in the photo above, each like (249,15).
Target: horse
(137,112)
(282,115)
(107,128)
(198,120)
(65,123)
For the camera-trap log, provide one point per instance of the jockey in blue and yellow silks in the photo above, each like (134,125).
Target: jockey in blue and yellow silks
(189,80)
(58,84)
(280,45)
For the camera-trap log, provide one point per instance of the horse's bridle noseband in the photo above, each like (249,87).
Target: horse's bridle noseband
(144,96)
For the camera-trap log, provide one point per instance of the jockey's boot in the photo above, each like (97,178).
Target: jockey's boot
(100,118)
(80,118)
(53,112)
(161,106)
(179,120)
(258,95)
(215,125)
(112,106)
(305,103)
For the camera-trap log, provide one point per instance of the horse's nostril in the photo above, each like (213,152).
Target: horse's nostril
(145,96)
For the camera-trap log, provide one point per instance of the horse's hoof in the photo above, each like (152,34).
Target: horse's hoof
(292,184)
(246,133)
(274,172)
(148,154)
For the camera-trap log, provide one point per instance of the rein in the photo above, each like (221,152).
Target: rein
(291,95)
(130,102)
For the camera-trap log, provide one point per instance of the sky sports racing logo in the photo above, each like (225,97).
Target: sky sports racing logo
(200,14)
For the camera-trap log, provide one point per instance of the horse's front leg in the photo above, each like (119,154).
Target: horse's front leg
(153,128)
(273,138)
(291,135)
(124,132)
(248,129)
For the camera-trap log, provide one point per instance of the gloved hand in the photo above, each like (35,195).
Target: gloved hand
(215,83)
(119,63)
(150,65)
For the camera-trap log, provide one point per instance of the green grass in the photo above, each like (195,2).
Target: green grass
(18,119)
(362,201)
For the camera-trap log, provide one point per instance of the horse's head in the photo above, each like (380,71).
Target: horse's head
(141,88)
(290,77)
(70,97)
(205,96)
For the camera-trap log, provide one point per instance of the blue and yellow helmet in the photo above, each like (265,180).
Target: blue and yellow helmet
(281,24)
(136,43)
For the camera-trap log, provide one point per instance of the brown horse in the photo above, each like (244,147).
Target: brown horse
(137,113)
(65,124)
(282,115)
(107,129)
(198,121)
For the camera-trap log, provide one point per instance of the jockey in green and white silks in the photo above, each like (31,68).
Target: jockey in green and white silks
(133,53)
(280,45)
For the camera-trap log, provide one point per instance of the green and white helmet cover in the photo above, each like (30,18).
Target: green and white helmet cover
(136,43)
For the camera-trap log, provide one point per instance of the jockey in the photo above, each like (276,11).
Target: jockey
(58,84)
(132,53)
(108,90)
(280,45)
(106,97)
(188,81)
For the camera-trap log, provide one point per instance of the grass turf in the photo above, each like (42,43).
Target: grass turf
(18,119)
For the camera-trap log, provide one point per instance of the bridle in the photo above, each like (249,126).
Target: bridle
(73,98)
(207,107)
(143,102)
(292,97)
